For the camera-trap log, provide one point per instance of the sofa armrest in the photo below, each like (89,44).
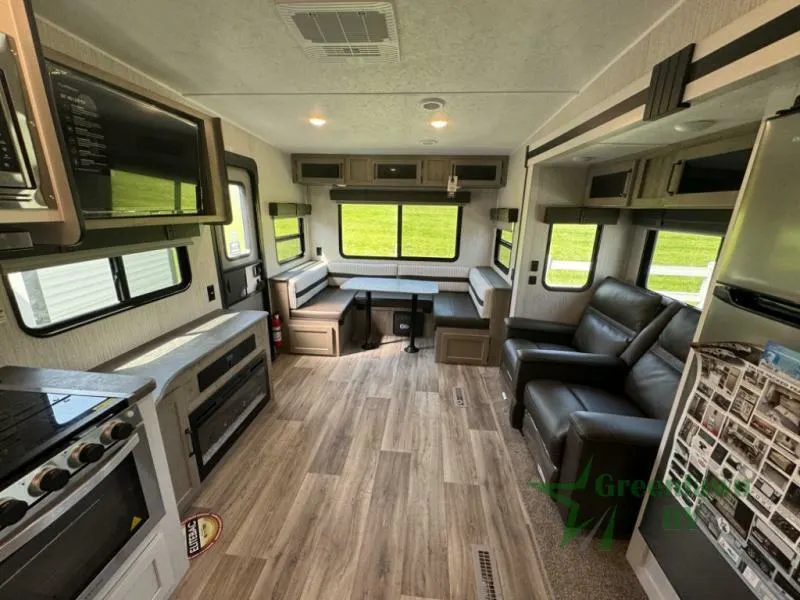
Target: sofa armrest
(616,455)
(539,331)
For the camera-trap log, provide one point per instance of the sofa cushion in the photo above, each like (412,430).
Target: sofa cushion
(309,280)
(601,401)
(482,283)
(396,301)
(450,278)
(511,346)
(453,309)
(341,271)
(616,313)
(329,305)
(653,380)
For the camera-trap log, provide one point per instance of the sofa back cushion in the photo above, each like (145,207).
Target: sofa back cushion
(449,278)
(616,313)
(481,290)
(309,280)
(653,379)
(341,271)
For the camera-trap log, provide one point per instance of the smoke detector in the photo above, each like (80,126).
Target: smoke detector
(432,104)
(333,31)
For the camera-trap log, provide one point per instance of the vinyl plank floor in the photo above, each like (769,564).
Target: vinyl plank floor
(369,476)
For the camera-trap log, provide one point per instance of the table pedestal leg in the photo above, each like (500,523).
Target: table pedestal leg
(368,345)
(411,348)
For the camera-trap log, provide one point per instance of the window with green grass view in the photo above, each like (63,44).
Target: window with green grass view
(289,240)
(681,265)
(502,249)
(237,233)
(134,193)
(409,231)
(571,256)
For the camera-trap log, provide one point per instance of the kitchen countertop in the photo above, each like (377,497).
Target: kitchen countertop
(166,357)
(126,386)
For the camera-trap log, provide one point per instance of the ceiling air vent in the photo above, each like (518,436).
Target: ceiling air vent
(343,31)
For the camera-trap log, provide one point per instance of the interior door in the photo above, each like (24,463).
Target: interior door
(242,277)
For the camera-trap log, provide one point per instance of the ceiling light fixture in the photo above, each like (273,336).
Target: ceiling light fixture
(429,142)
(317,121)
(691,126)
(432,104)
(439,123)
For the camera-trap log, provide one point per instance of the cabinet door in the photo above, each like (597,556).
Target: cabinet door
(319,170)
(435,172)
(358,171)
(709,175)
(651,182)
(611,184)
(174,423)
(150,577)
(479,172)
(396,172)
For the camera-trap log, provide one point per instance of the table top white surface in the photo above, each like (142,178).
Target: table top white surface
(398,286)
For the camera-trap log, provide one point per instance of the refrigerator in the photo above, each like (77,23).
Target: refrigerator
(756,300)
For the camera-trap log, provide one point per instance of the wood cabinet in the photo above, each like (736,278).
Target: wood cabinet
(150,577)
(651,182)
(479,172)
(610,184)
(358,170)
(435,172)
(173,419)
(396,172)
(319,170)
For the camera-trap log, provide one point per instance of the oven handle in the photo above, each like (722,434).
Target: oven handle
(53,513)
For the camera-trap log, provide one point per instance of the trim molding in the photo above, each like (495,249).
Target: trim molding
(772,31)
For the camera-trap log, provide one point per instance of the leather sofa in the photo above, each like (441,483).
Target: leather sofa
(614,325)
(597,422)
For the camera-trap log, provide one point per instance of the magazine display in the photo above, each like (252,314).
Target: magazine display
(734,461)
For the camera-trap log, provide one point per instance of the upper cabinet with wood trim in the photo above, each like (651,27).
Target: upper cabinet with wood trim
(428,172)
(610,184)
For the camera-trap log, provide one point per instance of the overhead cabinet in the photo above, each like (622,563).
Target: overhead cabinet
(610,185)
(400,171)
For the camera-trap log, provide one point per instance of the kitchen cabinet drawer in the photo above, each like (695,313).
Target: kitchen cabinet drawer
(611,184)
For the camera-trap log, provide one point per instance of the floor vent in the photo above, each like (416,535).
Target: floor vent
(485,568)
(459,399)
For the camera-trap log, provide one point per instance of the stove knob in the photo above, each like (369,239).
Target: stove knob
(11,511)
(116,431)
(85,454)
(48,480)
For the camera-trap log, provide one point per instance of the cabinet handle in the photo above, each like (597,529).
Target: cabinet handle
(188,432)
(627,189)
(672,172)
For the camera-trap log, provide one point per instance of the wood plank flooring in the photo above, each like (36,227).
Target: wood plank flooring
(369,476)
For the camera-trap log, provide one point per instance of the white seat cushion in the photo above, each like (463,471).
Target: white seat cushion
(309,282)
(480,290)
(341,271)
(449,278)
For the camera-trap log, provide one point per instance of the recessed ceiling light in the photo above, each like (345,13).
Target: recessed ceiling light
(690,126)
(432,104)
(317,121)
(439,123)
(429,142)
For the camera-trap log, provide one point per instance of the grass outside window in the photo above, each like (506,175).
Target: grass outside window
(571,256)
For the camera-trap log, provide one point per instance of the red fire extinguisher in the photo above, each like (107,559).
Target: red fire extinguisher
(277,335)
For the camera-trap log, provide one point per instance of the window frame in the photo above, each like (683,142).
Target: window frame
(592,269)
(500,242)
(246,222)
(121,285)
(294,236)
(649,250)
(399,236)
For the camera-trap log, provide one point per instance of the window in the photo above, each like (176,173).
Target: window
(289,240)
(237,234)
(502,249)
(405,232)
(679,265)
(53,299)
(571,256)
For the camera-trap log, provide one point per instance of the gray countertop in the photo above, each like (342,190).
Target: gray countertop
(114,385)
(168,356)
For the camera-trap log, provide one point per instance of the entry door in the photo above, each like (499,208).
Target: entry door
(242,277)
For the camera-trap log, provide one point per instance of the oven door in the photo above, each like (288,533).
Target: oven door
(69,546)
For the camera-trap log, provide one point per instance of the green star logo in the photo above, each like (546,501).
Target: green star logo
(572,527)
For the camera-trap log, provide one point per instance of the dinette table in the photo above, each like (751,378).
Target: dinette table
(394,286)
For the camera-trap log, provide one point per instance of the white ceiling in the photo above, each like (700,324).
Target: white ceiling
(503,67)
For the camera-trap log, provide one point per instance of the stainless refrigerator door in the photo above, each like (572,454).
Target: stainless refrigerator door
(728,323)
(763,250)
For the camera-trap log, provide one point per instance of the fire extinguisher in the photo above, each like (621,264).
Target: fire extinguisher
(277,335)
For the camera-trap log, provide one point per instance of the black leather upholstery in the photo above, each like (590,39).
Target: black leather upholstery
(608,417)
(456,309)
(329,305)
(395,301)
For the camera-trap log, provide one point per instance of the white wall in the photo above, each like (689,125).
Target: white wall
(95,343)
(477,230)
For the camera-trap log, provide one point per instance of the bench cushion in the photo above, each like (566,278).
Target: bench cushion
(329,305)
(450,278)
(341,271)
(454,309)
(396,301)
(307,283)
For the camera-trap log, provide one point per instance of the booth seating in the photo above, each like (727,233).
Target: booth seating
(470,324)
